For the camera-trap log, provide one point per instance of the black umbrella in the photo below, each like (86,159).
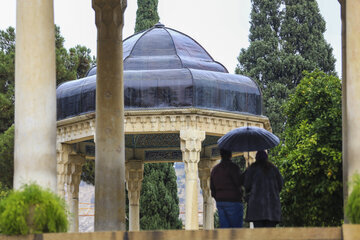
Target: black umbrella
(248,139)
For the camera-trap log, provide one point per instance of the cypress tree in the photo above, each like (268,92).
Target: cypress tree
(261,60)
(303,42)
(159,202)
(146,14)
(286,38)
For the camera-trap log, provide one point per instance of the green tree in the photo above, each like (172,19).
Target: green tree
(310,159)
(286,38)
(7,72)
(146,14)
(73,63)
(7,157)
(159,203)
(302,36)
(262,59)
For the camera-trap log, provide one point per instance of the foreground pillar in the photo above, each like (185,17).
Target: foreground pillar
(205,166)
(134,176)
(190,144)
(74,168)
(109,132)
(351,89)
(35,105)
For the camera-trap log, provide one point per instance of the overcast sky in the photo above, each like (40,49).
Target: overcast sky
(221,27)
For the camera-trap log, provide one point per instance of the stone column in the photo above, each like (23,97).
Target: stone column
(190,144)
(74,168)
(134,176)
(35,94)
(249,158)
(351,89)
(109,133)
(62,155)
(205,166)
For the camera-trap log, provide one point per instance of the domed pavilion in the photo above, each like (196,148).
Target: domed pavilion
(178,102)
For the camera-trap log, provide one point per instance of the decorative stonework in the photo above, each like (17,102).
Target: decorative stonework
(216,123)
(205,166)
(69,166)
(134,173)
(76,131)
(163,155)
(191,147)
(109,18)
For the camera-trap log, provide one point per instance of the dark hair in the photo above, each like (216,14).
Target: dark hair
(263,160)
(261,157)
(225,154)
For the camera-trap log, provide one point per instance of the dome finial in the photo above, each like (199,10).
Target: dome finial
(159,25)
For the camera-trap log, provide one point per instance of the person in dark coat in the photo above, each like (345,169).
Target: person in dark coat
(263,183)
(226,187)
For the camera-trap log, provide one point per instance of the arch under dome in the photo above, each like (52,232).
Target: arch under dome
(164,68)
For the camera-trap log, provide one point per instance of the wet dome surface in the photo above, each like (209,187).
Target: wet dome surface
(164,68)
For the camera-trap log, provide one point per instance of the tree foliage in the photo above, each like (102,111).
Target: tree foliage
(310,159)
(159,203)
(286,38)
(146,14)
(32,210)
(7,157)
(7,73)
(352,208)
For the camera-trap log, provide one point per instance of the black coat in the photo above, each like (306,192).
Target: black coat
(263,185)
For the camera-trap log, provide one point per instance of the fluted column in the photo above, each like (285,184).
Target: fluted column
(190,144)
(205,166)
(74,168)
(35,95)
(109,133)
(134,176)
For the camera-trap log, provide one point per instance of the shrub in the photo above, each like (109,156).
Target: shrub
(32,210)
(352,208)
(4,191)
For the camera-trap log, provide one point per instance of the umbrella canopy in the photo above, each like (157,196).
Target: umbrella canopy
(248,139)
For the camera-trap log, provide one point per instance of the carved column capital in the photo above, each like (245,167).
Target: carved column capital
(134,174)
(109,18)
(74,169)
(191,140)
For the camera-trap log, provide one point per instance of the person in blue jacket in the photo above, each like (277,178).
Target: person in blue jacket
(226,187)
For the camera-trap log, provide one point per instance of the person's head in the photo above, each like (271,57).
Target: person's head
(261,157)
(225,154)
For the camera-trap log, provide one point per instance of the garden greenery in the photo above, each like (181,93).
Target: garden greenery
(352,208)
(32,210)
